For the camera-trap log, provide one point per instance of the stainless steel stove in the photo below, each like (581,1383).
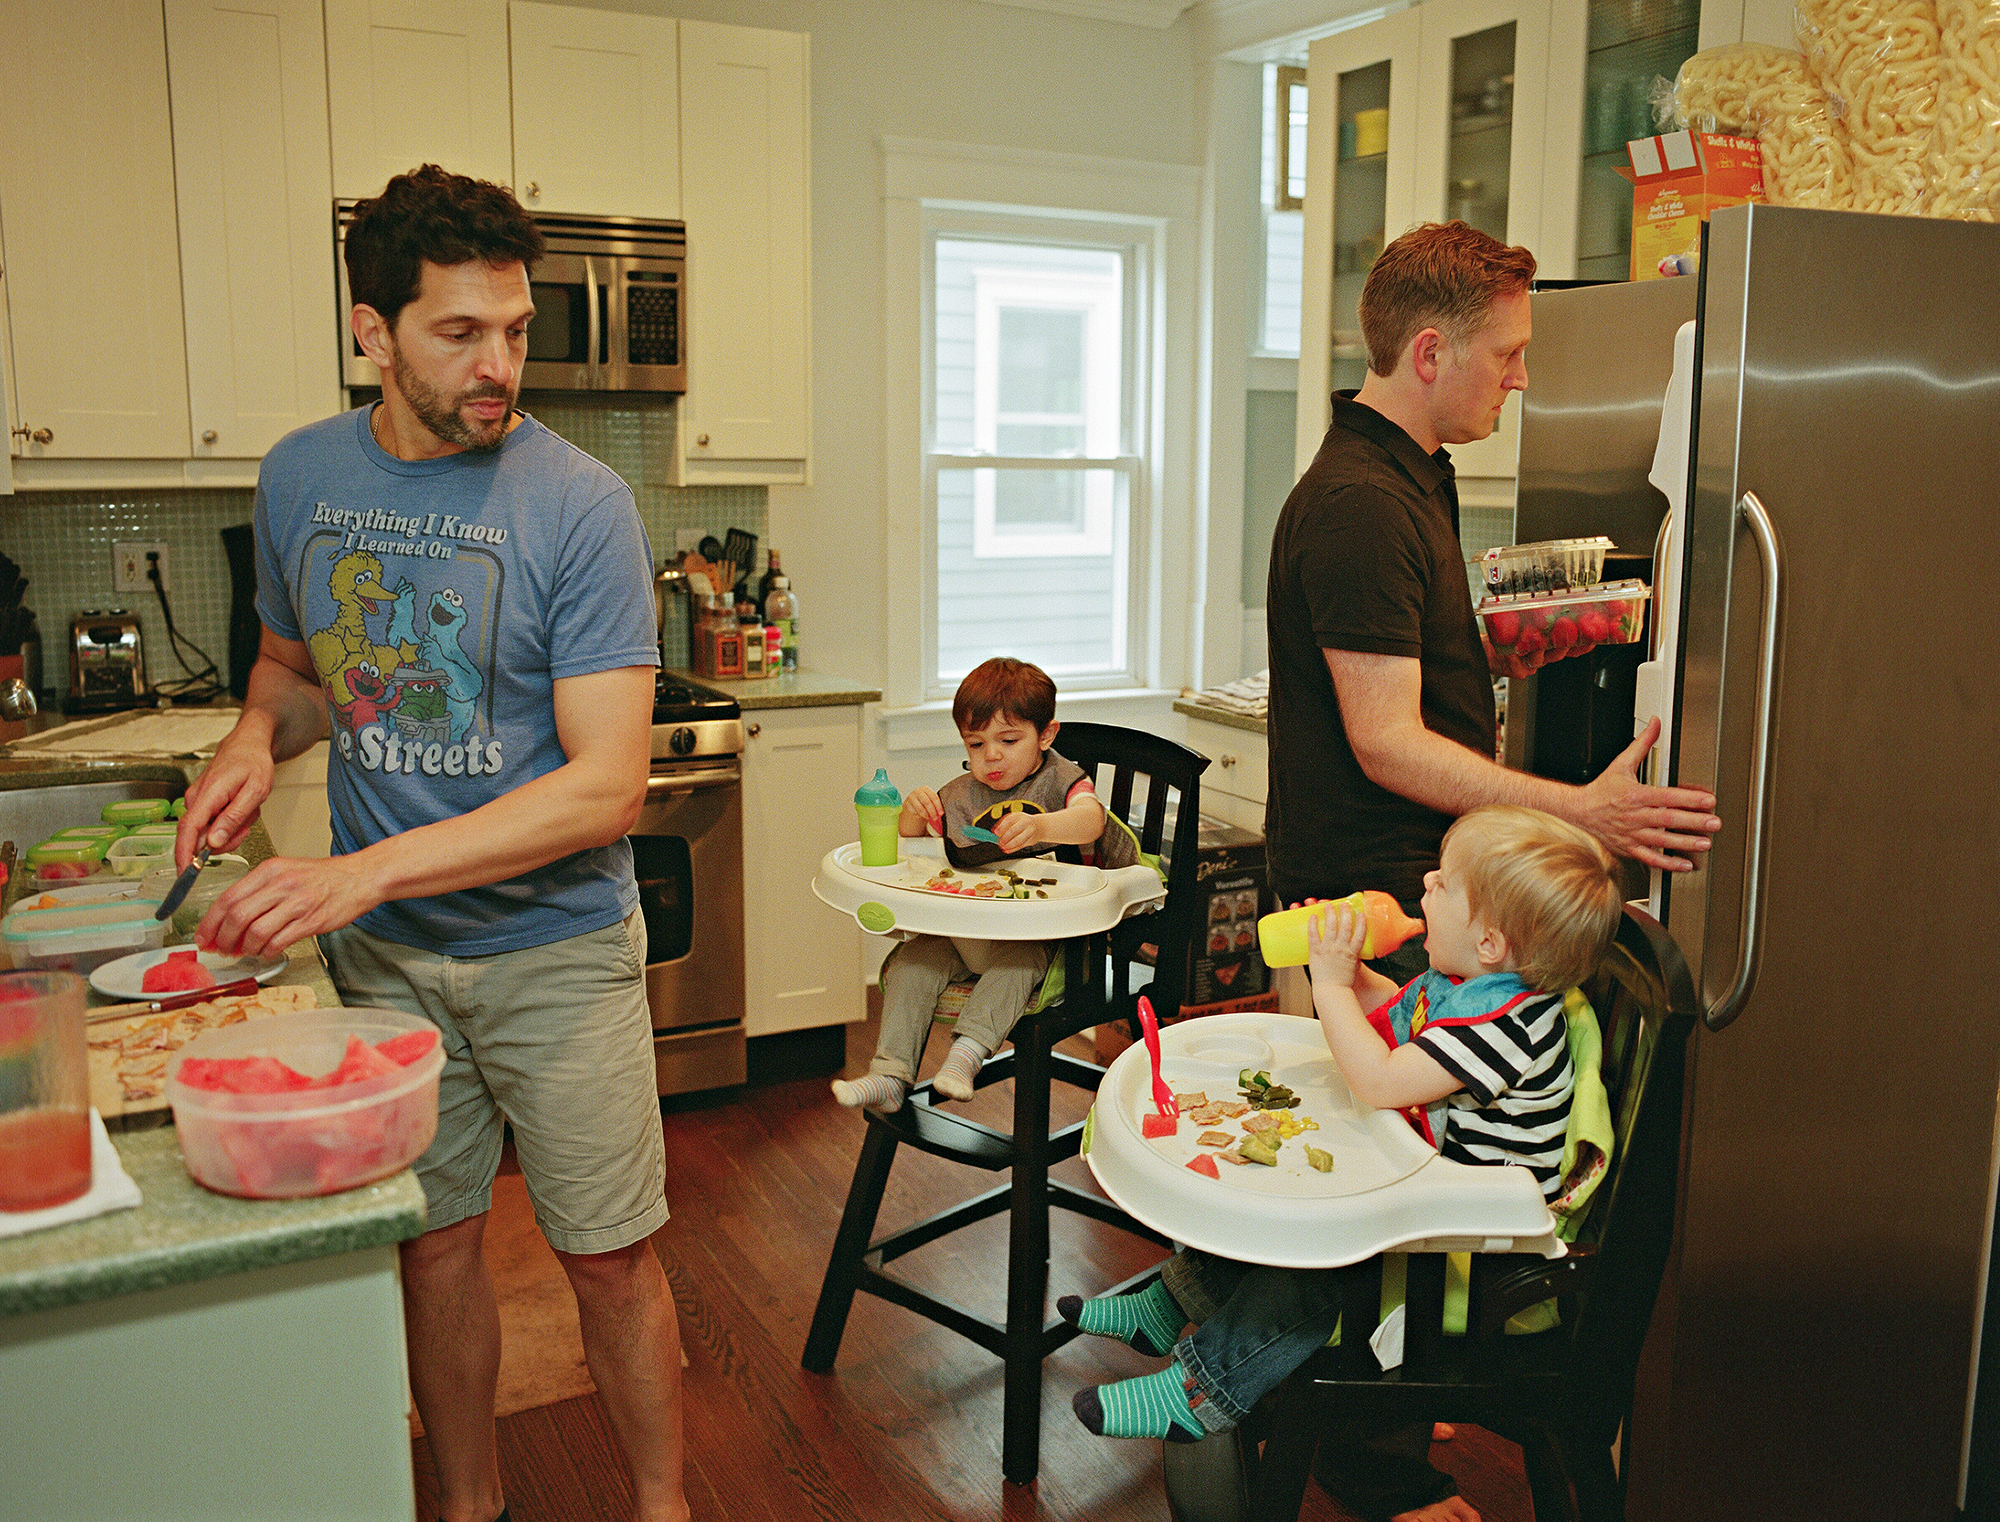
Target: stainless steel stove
(687,851)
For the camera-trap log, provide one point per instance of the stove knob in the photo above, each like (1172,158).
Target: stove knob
(681,741)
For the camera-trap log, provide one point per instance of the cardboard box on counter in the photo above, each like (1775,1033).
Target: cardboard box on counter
(1678,179)
(1226,973)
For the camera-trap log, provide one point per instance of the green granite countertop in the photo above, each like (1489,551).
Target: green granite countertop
(1194,708)
(801,689)
(182,1233)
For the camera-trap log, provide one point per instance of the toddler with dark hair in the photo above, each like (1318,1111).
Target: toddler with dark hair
(1018,788)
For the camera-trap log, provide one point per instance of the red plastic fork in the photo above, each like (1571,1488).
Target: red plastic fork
(1163,1097)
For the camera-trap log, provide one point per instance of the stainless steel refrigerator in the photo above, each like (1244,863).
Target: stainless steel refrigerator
(1829,659)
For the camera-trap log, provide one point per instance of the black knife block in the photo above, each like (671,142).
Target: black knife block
(239,542)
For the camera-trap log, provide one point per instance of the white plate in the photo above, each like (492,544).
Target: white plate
(121,979)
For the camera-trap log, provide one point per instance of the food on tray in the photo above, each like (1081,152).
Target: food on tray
(1003,882)
(1319,1158)
(1214,1139)
(129,1057)
(1154,1124)
(1260,1149)
(1192,1101)
(1205,1164)
(180,971)
(1267,1120)
(1262,1094)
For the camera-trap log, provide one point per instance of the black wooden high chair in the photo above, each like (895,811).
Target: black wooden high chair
(1099,969)
(1563,1394)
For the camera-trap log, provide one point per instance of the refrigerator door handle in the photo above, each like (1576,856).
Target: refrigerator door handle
(1757,826)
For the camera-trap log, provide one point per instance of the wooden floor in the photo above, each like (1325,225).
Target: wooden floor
(908,1423)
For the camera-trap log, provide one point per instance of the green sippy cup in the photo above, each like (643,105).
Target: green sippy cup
(876,805)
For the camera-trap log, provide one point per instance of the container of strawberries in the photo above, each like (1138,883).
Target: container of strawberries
(1524,631)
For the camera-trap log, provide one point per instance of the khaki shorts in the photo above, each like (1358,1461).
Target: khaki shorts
(555,1040)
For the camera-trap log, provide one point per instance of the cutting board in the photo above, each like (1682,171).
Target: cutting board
(161,1036)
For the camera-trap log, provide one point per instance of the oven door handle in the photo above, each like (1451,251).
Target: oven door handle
(682,784)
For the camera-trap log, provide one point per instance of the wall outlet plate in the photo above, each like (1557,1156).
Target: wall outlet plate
(129,565)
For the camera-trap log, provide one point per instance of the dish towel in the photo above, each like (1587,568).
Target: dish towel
(111,1188)
(1249,695)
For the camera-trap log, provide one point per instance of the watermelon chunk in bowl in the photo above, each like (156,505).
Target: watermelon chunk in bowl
(307,1102)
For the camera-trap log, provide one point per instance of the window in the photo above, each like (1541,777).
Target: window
(1040,418)
(1031,471)
(1284,189)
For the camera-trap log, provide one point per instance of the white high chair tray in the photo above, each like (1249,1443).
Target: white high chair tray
(1080,900)
(1387,1189)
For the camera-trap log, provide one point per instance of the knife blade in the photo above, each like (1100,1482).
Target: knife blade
(182,884)
(170,1001)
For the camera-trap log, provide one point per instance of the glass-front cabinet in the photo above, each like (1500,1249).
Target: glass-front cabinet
(1412,119)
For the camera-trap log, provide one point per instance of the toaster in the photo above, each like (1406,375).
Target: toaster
(107,667)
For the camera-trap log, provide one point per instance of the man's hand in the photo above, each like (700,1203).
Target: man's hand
(1647,823)
(284,900)
(222,803)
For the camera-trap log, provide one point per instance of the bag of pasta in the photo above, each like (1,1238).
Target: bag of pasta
(1766,92)
(1965,148)
(1878,62)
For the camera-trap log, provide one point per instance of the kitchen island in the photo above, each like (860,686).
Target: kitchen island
(200,1356)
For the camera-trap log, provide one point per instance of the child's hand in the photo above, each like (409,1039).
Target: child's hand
(1017,832)
(1334,938)
(921,814)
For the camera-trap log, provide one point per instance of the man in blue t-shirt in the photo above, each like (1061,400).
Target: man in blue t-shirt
(462,603)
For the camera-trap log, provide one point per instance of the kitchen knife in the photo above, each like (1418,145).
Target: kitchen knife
(182,884)
(171,1001)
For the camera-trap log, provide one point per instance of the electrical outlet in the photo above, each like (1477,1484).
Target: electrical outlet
(129,566)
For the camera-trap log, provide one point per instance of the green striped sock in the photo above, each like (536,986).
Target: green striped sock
(1154,1405)
(1149,1321)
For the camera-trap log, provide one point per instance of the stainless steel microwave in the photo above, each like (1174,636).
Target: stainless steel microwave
(610,306)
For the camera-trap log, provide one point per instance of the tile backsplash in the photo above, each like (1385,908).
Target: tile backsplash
(63,540)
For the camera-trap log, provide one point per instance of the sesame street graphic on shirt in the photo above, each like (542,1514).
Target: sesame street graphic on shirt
(402,631)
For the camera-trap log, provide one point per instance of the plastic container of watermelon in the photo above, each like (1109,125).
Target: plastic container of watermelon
(306,1114)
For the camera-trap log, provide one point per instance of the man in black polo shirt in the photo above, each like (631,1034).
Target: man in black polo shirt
(1381,726)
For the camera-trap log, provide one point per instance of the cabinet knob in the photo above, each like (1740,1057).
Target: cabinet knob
(701,439)
(1225,761)
(35,435)
(208,435)
(753,729)
(533,188)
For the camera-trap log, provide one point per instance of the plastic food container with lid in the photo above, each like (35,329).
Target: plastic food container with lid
(1546,565)
(286,1141)
(81,937)
(104,832)
(131,855)
(135,811)
(70,849)
(1524,631)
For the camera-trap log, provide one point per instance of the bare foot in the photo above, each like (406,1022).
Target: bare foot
(1443,1432)
(1450,1509)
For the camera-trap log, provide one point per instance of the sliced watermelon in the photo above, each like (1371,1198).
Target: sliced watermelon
(1205,1166)
(359,1061)
(242,1075)
(181,970)
(1158,1125)
(411,1046)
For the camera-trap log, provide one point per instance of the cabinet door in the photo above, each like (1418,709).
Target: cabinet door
(1361,94)
(596,111)
(1481,100)
(255,199)
(93,262)
(744,186)
(804,959)
(414,82)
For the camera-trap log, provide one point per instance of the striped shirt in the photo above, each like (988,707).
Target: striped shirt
(1508,1045)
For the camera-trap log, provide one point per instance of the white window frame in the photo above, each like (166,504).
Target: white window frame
(986,192)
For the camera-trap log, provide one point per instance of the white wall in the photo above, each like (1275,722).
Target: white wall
(957,71)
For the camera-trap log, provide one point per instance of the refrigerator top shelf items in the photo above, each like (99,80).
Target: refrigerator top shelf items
(1549,565)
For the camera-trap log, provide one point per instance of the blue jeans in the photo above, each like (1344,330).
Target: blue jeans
(1253,1326)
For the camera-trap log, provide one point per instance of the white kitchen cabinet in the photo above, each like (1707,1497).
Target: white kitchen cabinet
(413,82)
(255,197)
(1464,83)
(93,263)
(800,769)
(296,815)
(745,190)
(1232,789)
(596,103)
